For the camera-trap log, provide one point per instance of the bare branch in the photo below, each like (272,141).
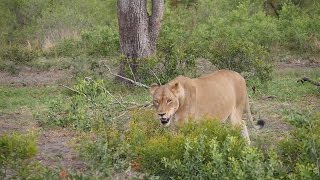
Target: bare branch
(83,94)
(71,89)
(134,77)
(106,91)
(155,76)
(147,105)
(125,78)
(122,114)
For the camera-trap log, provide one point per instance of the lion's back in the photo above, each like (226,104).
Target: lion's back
(220,92)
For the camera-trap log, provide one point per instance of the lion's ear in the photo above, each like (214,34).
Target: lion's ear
(153,88)
(176,89)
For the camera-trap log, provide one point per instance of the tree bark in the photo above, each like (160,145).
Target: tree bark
(138,30)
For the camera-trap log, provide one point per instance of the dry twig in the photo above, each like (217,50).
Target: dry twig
(125,78)
(71,89)
(156,76)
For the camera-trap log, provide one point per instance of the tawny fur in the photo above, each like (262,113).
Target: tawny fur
(220,95)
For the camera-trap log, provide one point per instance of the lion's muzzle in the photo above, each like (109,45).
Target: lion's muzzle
(164,121)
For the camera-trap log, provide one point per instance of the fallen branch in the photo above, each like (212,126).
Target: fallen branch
(147,105)
(106,91)
(71,89)
(122,114)
(125,78)
(268,97)
(306,79)
(127,106)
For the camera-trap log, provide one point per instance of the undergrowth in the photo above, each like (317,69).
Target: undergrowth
(17,153)
(205,150)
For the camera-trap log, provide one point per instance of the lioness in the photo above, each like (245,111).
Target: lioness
(220,95)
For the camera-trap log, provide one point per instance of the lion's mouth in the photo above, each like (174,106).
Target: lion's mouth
(164,121)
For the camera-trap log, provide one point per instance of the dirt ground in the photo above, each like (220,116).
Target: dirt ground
(29,77)
(54,148)
(53,145)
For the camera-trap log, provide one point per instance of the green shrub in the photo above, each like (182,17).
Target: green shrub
(210,150)
(106,153)
(239,39)
(16,157)
(8,66)
(99,156)
(17,146)
(18,55)
(89,105)
(300,27)
(67,48)
(102,41)
(242,56)
(175,43)
(300,152)
(207,150)
(80,110)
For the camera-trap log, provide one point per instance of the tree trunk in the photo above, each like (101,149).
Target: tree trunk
(138,30)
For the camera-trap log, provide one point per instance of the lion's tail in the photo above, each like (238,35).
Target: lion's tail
(260,123)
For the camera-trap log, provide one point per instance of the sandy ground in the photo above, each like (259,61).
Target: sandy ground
(29,77)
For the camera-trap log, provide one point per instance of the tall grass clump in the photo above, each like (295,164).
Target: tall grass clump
(17,153)
(300,151)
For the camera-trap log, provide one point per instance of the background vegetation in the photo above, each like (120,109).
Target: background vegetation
(116,130)
(238,35)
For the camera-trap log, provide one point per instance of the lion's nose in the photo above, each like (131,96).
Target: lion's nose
(161,114)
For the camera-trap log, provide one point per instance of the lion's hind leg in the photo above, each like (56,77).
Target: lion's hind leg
(236,121)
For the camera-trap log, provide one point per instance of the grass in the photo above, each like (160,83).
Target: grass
(285,88)
(292,103)
(13,98)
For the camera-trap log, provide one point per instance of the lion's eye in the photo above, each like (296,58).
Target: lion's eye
(156,101)
(169,101)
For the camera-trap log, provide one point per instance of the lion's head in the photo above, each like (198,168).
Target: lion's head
(166,100)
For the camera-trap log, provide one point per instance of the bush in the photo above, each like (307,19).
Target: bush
(17,146)
(300,152)
(242,56)
(300,28)
(239,39)
(67,48)
(16,157)
(204,150)
(208,150)
(89,105)
(18,55)
(83,110)
(102,41)
(105,154)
